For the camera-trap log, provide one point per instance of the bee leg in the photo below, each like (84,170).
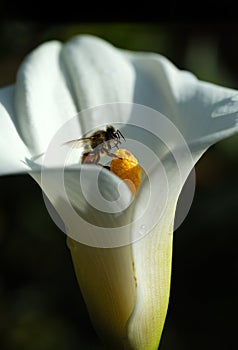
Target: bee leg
(104,166)
(116,142)
(97,158)
(119,134)
(106,145)
(90,157)
(112,155)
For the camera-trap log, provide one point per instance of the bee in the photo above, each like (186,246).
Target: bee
(101,143)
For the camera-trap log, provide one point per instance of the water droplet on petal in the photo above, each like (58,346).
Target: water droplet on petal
(142,229)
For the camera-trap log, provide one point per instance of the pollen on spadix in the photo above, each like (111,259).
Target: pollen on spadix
(127,168)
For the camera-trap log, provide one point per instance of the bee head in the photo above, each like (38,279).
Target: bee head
(114,134)
(110,129)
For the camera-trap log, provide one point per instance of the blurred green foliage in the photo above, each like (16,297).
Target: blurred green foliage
(41,307)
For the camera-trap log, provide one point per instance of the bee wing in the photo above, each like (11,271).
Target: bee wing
(78,143)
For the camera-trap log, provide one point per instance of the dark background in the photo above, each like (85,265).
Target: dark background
(40,303)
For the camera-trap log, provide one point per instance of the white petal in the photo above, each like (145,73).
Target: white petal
(13,151)
(152,257)
(43,100)
(107,281)
(100,74)
(89,199)
(204,113)
(106,276)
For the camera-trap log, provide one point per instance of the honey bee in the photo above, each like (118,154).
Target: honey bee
(101,143)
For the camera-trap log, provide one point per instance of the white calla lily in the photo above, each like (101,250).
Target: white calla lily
(126,288)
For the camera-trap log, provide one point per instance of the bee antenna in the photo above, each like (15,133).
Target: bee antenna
(118,131)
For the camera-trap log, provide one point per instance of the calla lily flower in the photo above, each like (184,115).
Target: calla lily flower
(126,288)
